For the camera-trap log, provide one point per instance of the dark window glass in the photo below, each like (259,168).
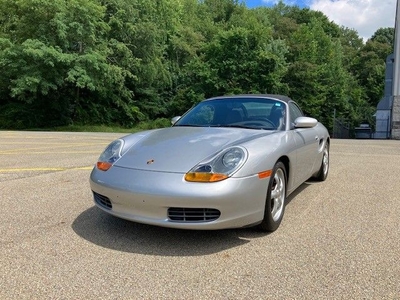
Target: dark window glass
(252,113)
(295,112)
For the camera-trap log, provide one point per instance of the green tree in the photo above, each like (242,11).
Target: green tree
(370,69)
(317,77)
(242,61)
(56,59)
(122,61)
(384,36)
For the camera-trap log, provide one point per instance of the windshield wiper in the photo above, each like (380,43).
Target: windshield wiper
(239,126)
(188,125)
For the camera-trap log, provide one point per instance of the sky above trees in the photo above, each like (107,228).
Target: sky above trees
(365,16)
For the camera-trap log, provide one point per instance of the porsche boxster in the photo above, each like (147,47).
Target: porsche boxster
(228,162)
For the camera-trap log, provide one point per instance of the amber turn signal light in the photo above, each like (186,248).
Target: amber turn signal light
(264,174)
(103,166)
(204,177)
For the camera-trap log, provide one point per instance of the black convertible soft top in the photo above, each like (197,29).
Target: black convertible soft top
(269,96)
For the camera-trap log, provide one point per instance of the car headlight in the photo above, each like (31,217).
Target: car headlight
(110,155)
(220,167)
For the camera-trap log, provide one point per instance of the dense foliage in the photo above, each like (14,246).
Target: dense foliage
(123,61)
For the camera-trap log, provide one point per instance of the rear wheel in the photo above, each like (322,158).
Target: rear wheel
(276,198)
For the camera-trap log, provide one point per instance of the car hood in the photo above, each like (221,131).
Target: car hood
(179,149)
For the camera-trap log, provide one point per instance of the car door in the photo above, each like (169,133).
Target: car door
(306,140)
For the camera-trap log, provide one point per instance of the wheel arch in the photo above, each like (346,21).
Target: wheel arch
(286,161)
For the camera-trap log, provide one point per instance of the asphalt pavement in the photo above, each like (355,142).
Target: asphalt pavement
(339,239)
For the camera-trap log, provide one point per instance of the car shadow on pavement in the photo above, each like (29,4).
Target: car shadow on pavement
(301,188)
(114,233)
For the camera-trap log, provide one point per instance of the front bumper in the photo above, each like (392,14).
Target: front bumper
(147,197)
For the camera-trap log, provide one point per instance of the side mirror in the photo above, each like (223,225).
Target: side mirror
(175,119)
(305,122)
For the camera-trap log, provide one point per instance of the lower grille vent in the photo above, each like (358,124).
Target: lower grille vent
(103,201)
(193,215)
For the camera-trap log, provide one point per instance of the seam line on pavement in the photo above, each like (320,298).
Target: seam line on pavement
(44,169)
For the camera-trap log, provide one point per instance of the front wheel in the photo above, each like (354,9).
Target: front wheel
(324,169)
(276,198)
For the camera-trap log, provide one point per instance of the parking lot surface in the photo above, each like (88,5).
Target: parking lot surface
(339,239)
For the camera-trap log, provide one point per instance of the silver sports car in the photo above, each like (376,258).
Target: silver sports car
(228,162)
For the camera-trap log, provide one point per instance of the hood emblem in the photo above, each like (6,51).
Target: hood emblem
(149,162)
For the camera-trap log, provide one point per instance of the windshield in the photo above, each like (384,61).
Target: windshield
(252,113)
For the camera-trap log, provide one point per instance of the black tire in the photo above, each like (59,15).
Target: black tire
(324,169)
(276,199)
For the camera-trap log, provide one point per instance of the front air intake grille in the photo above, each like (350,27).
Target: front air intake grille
(193,215)
(103,201)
